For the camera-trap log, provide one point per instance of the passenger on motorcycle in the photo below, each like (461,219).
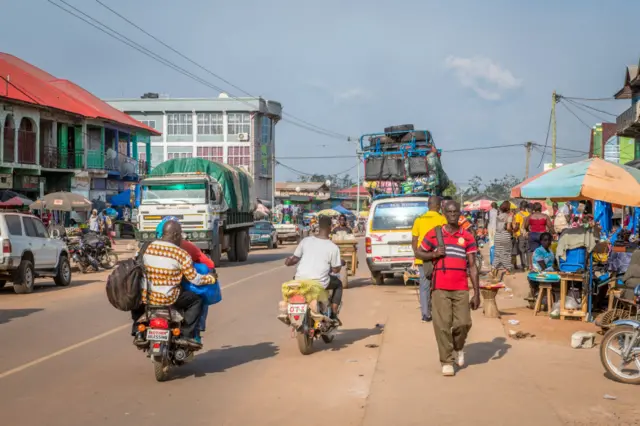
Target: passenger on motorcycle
(317,257)
(166,264)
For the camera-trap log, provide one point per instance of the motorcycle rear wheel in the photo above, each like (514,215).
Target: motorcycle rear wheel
(618,332)
(160,369)
(305,343)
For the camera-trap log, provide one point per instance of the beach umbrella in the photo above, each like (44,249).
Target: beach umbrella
(329,212)
(62,201)
(592,179)
(484,205)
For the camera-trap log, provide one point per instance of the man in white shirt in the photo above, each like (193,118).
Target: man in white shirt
(317,256)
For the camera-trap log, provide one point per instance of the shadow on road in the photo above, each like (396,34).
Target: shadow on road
(345,338)
(49,286)
(359,282)
(6,315)
(483,352)
(219,360)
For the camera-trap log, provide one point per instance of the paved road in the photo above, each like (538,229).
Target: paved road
(66,358)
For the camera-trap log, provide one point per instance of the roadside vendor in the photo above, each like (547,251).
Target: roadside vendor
(543,258)
(342,226)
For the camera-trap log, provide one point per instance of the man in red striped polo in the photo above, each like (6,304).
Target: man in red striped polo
(450,299)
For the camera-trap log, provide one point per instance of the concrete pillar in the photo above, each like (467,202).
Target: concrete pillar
(102,149)
(225,135)
(63,144)
(78,155)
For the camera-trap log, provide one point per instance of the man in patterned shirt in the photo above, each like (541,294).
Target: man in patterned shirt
(166,263)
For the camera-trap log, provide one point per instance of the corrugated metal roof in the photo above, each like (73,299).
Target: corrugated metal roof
(304,186)
(24,82)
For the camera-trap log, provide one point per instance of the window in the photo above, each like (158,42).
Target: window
(149,123)
(40,229)
(29,227)
(210,123)
(238,156)
(238,122)
(211,153)
(266,130)
(390,216)
(180,124)
(179,152)
(14,224)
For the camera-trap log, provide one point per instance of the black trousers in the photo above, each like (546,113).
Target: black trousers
(336,285)
(191,306)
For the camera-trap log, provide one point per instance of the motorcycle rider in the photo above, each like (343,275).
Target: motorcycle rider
(317,257)
(165,264)
(342,226)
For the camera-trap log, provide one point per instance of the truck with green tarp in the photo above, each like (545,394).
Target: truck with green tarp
(214,203)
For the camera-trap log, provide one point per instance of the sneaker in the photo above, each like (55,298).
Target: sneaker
(447,370)
(460,359)
(426,318)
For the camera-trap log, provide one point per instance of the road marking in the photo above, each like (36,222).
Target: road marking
(112,331)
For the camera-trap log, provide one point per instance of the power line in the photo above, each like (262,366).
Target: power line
(575,115)
(598,117)
(585,106)
(546,139)
(208,70)
(590,99)
(311,174)
(158,58)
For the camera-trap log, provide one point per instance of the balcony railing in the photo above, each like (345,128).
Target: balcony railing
(26,147)
(124,164)
(95,159)
(52,157)
(628,123)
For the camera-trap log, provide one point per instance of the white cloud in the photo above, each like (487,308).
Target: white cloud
(486,78)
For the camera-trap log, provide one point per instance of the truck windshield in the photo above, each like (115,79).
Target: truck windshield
(175,193)
(400,215)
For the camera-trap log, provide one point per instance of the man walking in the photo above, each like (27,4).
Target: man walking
(520,237)
(421,226)
(450,298)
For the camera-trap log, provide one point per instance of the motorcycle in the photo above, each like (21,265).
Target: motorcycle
(308,321)
(94,250)
(158,334)
(623,342)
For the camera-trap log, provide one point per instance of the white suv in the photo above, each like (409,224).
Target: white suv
(28,252)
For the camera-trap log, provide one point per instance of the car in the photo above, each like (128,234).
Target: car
(263,233)
(388,234)
(288,232)
(29,252)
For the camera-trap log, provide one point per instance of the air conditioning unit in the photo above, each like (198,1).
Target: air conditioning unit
(243,137)
(6,181)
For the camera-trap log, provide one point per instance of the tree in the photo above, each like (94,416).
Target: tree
(339,182)
(500,189)
(452,191)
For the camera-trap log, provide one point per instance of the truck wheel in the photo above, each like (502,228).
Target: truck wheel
(242,245)
(216,255)
(26,278)
(232,251)
(270,245)
(3,283)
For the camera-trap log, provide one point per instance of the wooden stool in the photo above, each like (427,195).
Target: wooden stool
(541,289)
(489,306)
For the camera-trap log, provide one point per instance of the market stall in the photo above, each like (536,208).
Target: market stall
(604,184)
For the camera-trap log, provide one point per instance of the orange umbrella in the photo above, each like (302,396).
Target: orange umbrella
(592,179)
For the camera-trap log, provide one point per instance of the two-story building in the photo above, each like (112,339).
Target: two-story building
(628,123)
(236,131)
(56,136)
(311,196)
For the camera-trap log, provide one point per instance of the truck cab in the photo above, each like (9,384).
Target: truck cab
(388,234)
(195,199)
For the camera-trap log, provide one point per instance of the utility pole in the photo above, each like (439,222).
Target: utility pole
(358,186)
(554,100)
(528,146)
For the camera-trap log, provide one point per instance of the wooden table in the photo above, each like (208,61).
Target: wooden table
(565,279)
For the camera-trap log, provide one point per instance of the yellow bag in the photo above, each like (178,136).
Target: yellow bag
(310,289)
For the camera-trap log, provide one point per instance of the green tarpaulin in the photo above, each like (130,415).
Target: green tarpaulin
(237,185)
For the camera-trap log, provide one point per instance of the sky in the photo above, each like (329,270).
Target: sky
(474,73)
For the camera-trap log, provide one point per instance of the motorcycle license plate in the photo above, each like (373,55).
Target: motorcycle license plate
(158,335)
(298,308)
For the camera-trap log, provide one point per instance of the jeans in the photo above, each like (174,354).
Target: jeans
(336,285)
(425,293)
(202,321)
(191,306)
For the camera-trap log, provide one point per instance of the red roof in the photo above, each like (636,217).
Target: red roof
(353,191)
(30,84)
